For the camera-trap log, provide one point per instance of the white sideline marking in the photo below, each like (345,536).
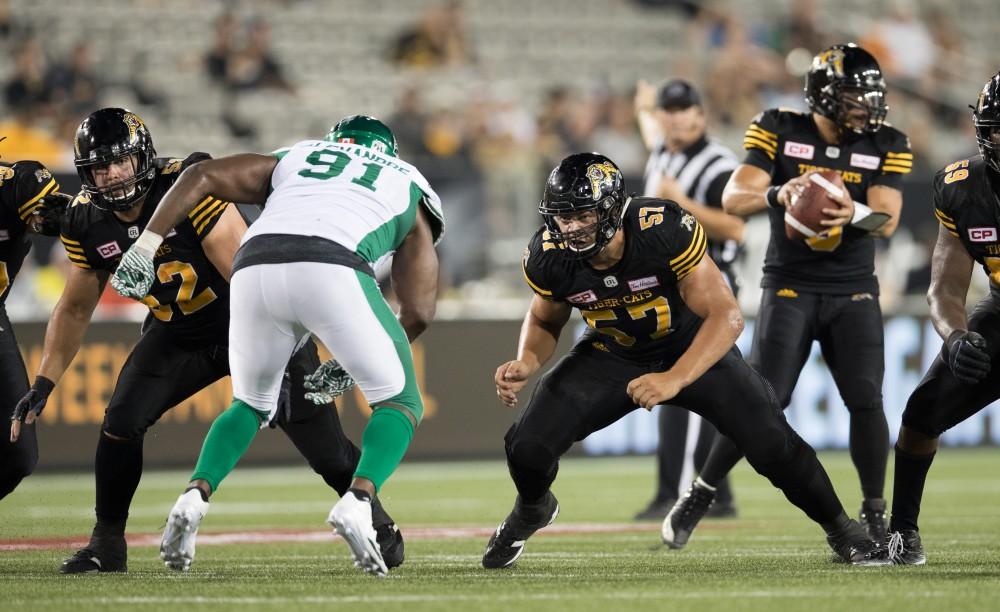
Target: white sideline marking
(273,536)
(404,598)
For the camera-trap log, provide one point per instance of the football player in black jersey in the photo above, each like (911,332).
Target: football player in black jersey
(663,325)
(823,288)
(961,381)
(183,347)
(30,202)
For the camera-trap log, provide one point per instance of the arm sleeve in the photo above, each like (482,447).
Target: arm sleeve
(535,270)
(761,141)
(897,161)
(942,203)
(72,237)
(34,182)
(206,214)
(685,243)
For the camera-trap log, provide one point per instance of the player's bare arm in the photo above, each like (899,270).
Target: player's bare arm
(707,294)
(718,224)
(415,277)
(66,328)
(888,200)
(951,272)
(645,102)
(746,191)
(539,336)
(240,178)
(223,240)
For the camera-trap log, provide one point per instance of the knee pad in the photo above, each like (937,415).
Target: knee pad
(789,467)
(122,426)
(921,418)
(528,451)
(862,396)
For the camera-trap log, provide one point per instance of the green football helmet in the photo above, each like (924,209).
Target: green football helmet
(365,131)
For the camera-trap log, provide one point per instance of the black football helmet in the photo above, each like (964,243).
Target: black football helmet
(844,78)
(580,183)
(106,136)
(986,118)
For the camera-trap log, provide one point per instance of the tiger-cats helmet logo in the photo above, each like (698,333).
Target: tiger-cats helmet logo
(833,58)
(134,123)
(603,174)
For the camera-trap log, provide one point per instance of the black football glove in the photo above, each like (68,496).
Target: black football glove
(34,400)
(47,219)
(967,356)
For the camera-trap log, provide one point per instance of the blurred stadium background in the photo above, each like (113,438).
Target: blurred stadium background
(484,97)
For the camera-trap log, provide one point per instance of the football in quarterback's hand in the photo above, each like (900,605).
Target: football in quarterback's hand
(803,216)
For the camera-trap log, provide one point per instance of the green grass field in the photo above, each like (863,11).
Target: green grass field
(770,558)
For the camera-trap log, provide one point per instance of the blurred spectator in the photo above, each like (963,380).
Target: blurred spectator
(408,123)
(223,46)
(741,70)
(26,87)
(617,137)
(438,39)
(902,44)
(73,84)
(800,29)
(254,66)
(10,28)
(560,132)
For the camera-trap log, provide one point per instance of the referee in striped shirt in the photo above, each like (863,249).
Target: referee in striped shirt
(689,168)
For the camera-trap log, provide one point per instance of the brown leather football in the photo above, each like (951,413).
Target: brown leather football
(802,218)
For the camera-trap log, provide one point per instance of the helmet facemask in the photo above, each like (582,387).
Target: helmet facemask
(587,241)
(120,195)
(867,100)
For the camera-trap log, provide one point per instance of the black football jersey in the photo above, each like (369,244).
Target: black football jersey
(22,186)
(188,294)
(967,205)
(787,144)
(634,308)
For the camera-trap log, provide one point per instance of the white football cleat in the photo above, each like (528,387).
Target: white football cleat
(177,545)
(352,519)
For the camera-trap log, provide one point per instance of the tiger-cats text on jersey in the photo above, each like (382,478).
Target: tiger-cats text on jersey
(787,144)
(188,293)
(634,308)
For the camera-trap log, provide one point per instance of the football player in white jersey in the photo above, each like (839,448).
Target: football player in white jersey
(333,209)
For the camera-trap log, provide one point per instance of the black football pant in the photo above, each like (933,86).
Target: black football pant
(160,373)
(586,391)
(17,460)
(939,403)
(850,333)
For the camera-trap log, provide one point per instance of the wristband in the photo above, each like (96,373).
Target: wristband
(771,196)
(43,385)
(149,242)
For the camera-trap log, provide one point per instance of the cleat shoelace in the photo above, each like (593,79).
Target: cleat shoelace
(896,545)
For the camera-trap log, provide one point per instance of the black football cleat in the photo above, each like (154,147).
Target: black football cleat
(103,554)
(872,518)
(852,545)
(905,548)
(507,543)
(387,535)
(685,515)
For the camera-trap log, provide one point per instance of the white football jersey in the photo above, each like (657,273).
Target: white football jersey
(353,195)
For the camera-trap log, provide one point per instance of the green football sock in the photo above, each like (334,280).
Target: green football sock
(227,440)
(383,445)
